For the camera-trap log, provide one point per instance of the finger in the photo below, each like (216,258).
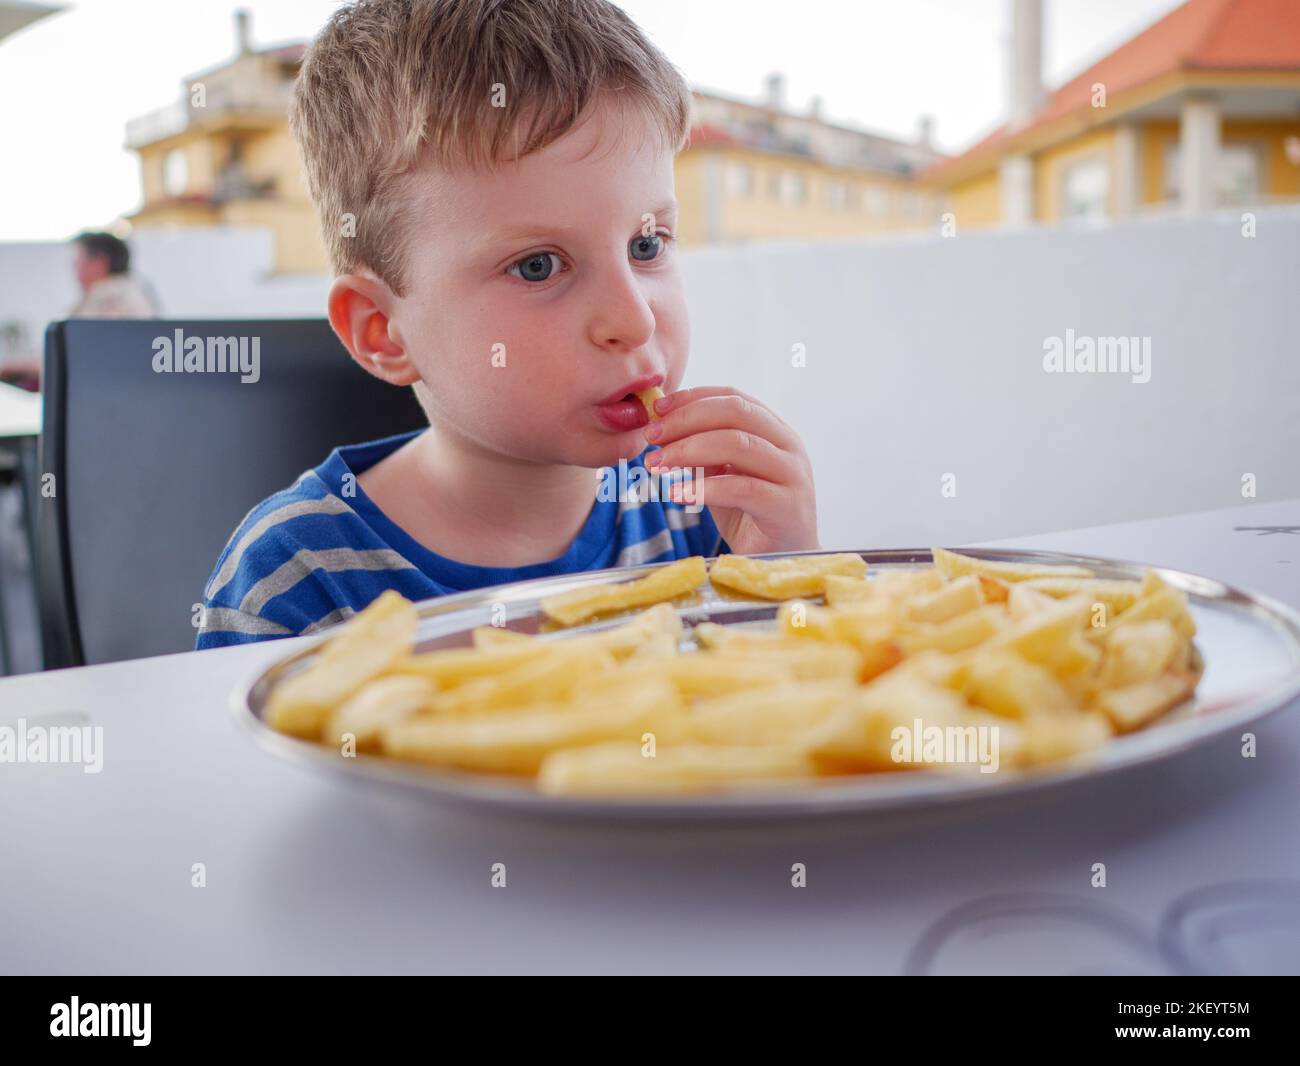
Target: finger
(756,497)
(681,397)
(730,411)
(709,471)
(746,453)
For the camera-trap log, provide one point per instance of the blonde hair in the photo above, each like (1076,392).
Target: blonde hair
(389,84)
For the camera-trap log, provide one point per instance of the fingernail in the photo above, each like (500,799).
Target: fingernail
(663,403)
(654,431)
(653,459)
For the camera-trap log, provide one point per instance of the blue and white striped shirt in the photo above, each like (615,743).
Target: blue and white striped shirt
(321,550)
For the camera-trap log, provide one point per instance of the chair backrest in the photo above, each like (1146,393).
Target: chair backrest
(157,454)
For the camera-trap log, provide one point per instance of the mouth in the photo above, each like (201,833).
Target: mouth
(623,414)
(625,411)
(645,381)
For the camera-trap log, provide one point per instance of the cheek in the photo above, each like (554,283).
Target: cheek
(492,356)
(673,329)
(531,348)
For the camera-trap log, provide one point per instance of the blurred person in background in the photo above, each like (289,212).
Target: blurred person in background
(102,264)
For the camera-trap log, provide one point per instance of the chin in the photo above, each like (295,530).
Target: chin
(614,447)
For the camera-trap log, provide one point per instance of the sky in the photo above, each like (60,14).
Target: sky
(69,83)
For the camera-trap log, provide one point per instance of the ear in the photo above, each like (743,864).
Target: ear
(360,307)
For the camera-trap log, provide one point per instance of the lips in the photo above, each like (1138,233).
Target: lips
(623,415)
(622,411)
(645,381)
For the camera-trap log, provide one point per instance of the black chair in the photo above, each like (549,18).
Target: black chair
(153,469)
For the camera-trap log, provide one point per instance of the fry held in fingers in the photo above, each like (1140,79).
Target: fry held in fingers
(648,398)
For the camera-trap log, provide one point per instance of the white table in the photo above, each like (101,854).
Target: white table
(20,412)
(308,875)
(20,425)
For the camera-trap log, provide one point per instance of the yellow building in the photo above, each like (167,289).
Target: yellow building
(223,155)
(760,171)
(1199,111)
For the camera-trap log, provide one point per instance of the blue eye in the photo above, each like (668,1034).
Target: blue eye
(645,248)
(535,267)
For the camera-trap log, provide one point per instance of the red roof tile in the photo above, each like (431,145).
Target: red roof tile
(1200,35)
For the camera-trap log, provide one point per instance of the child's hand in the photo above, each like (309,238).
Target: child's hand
(758,482)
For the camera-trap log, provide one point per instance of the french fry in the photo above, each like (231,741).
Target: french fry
(956,597)
(1010,686)
(1140,651)
(1023,601)
(1116,595)
(714,637)
(783,579)
(821,662)
(956,634)
(1157,599)
(843,591)
(695,676)
(807,660)
(857,737)
(994,589)
(772,715)
(630,637)
(866,623)
(656,646)
(1134,706)
(1047,637)
(648,397)
(626,639)
(664,583)
(1042,663)
(953,565)
(548,677)
(366,647)
(902,585)
(452,667)
(495,636)
(867,627)
(516,741)
(380,703)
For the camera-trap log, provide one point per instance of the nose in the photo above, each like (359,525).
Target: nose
(621,316)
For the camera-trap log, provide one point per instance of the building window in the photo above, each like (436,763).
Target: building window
(1236,178)
(794,187)
(741,180)
(877,201)
(1085,188)
(911,206)
(176,173)
(774,184)
(834,195)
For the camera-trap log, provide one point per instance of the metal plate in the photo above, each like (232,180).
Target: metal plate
(1250,644)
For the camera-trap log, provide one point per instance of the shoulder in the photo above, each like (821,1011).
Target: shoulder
(303,514)
(283,570)
(117,295)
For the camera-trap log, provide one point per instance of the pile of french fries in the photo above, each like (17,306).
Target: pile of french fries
(1055,660)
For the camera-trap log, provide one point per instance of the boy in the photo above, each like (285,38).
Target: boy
(495,185)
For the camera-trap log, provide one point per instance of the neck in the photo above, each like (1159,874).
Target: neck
(528,511)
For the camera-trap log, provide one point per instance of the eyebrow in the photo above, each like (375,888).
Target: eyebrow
(530,232)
